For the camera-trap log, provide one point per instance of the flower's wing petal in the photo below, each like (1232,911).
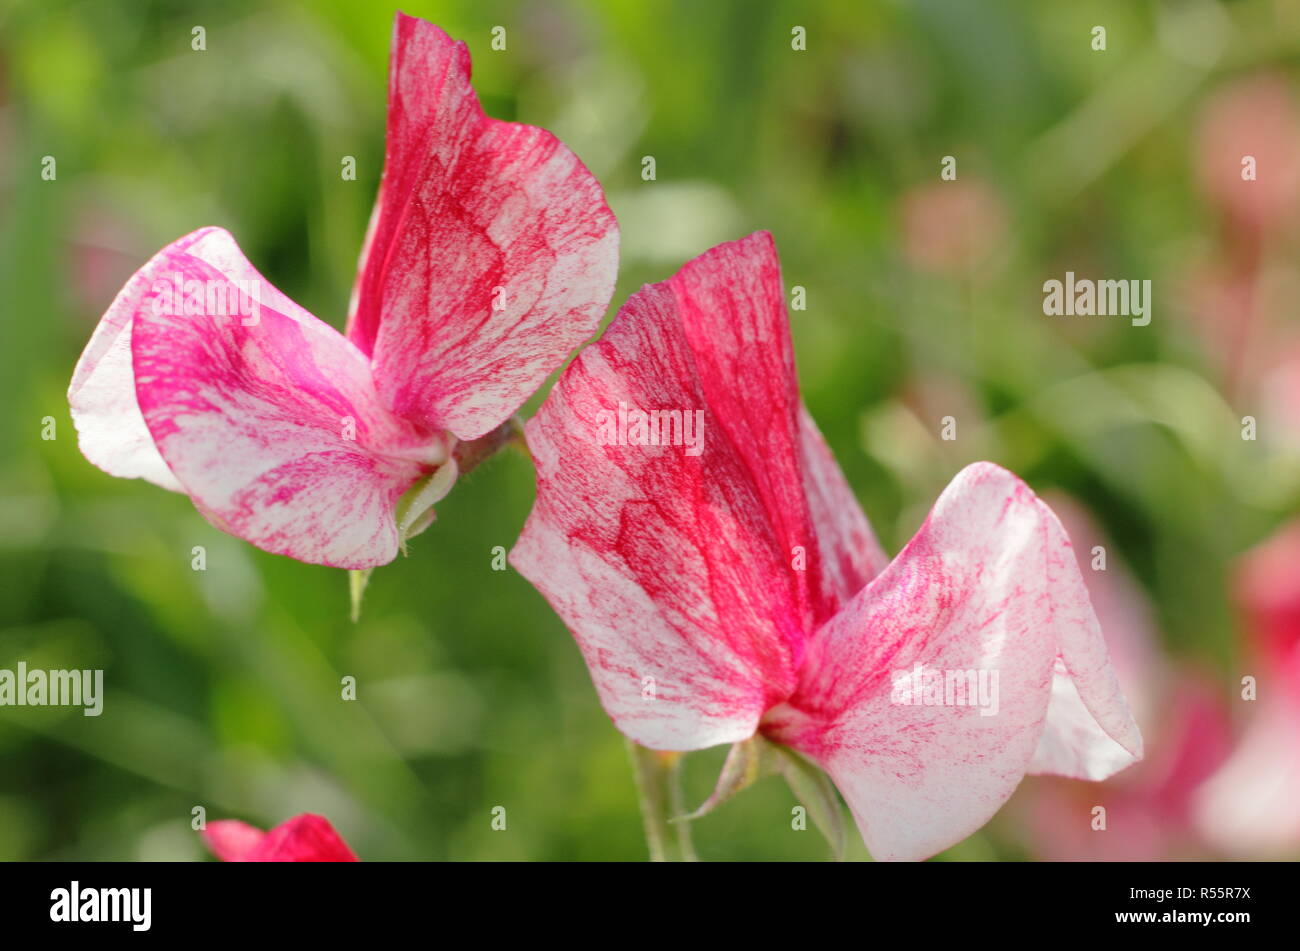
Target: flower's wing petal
(850,554)
(305,838)
(110,430)
(668,562)
(267,417)
(1075,743)
(1122,610)
(1090,732)
(231,840)
(492,254)
(983,597)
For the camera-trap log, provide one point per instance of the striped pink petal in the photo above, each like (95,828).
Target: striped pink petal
(492,253)
(672,569)
(849,554)
(267,420)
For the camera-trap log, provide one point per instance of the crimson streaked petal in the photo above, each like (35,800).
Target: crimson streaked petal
(255,415)
(674,571)
(850,555)
(491,255)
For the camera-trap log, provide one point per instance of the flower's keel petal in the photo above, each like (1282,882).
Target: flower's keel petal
(926,697)
(267,416)
(492,254)
(850,554)
(665,560)
(110,430)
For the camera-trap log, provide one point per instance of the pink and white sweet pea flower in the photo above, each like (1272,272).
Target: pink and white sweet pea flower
(304,838)
(491,255)
(673,570)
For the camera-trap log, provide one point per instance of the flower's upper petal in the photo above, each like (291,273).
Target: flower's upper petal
(850,555)
(674,570)
(492,253)
(305,838)
(268,419)
(231,840)
(987,588)
(732,308)
(110,430)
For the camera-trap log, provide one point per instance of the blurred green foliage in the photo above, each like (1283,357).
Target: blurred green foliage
(223,686)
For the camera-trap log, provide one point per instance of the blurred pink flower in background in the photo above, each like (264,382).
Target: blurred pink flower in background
(1279,394)
(1148,806)
(1239,292)
(1258,117)
(1268,590)
(1251,807)
(304,838)
(951,227)
(98,260)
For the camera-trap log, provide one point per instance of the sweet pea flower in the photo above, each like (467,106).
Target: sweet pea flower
(731,586)
(491,254)
(304,838)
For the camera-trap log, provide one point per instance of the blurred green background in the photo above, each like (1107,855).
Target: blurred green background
(924,300)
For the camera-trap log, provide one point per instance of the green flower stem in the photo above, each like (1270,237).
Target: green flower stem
(659,787)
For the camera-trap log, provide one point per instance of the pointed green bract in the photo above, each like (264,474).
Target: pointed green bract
(756,757)
(748,760)
(357,581)
(815,792)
